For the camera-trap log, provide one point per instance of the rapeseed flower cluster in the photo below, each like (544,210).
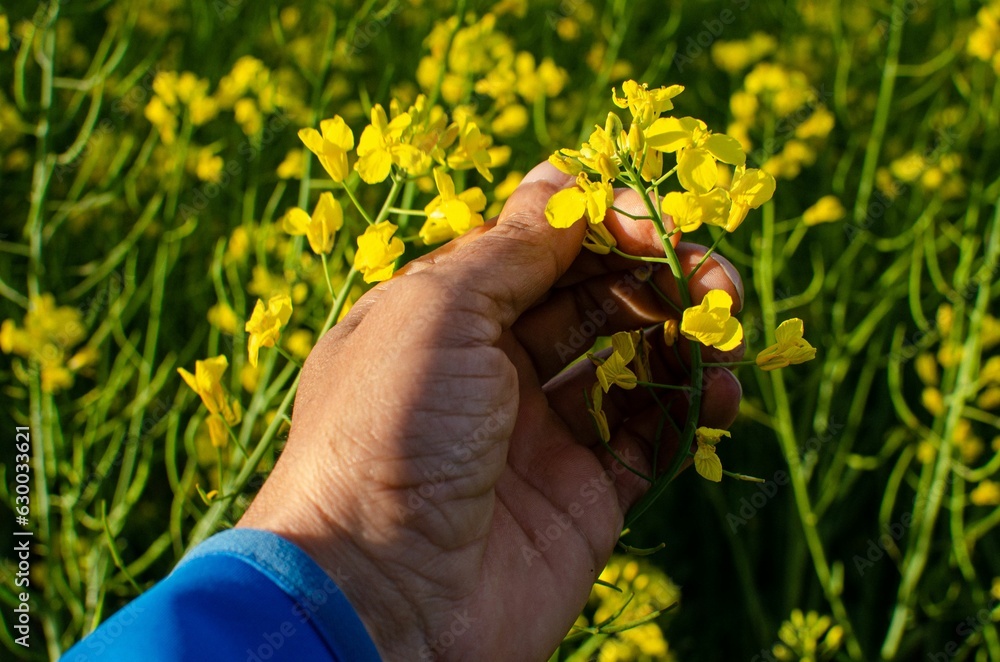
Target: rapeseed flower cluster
(47,338)
(634,156)
(632,611)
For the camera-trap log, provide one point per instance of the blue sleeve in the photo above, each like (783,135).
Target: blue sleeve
(242,595)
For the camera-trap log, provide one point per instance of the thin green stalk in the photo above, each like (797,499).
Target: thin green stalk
(763,270)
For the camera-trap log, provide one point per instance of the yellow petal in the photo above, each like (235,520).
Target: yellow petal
(732,335)
(312,140)
(697,170)
(374,166)
(445,184)
(681,209)
(624,345)
(566,207)
(707,463)
(789,331)
(336,131)
(668,134)
(725,148)
(296,222)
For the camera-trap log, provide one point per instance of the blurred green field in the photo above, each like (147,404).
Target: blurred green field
(148,157)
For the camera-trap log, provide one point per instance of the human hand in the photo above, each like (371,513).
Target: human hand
(436,438)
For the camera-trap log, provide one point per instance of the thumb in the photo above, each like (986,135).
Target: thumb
(510,267)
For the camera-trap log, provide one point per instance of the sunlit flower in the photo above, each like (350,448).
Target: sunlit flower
(264,325)
(326,219)
(378,144)
(711,322)
(790,349)
(645,104)
(207,383)
(377,252)
(826,210)
(450,215)
(48,335)
(330,146)
(587,198)
(689,210)
(473,151)
(749,190)
(698,150)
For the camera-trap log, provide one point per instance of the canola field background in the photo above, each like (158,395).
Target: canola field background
(149,158)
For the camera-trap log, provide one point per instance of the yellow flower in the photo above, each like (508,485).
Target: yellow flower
(4,32)
(207,383)
(670,331)
(645,104)
(331,146)
(819,125)
(264,325)
(932,400)
(209,166)
(586,198)
(698,150)
(690,210)
(710,436)
(300,343)
(614,371)
(450,215)
(377,252)
(989,398)
(223,317)
(291,167)
(218,433)
(600,152)
(510,121)
(326,219)
(711,323)
(473,151)
(791,348)
(164,119)
(379,144)
(49,333)
(749,190)
(826,210)
(707,463)
(597,413)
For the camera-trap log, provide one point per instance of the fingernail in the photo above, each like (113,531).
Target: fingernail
(731,273)
(546,172)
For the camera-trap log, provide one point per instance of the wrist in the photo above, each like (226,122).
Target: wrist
(382,599)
